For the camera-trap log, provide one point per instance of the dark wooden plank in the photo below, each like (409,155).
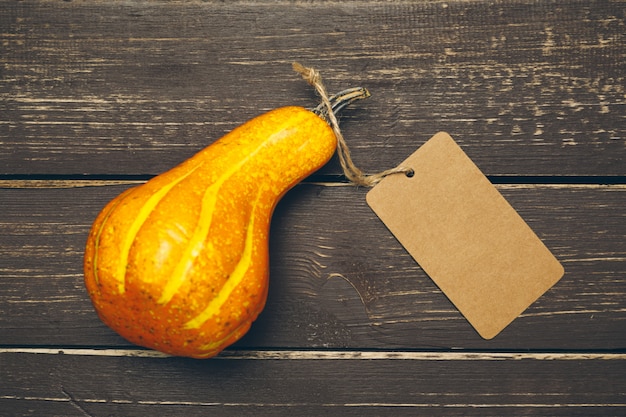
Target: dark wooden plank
(528,88)
(303,384)
(338,278)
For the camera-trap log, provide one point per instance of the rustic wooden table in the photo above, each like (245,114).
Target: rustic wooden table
(98,96)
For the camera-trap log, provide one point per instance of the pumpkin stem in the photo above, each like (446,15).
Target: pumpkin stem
(341,100)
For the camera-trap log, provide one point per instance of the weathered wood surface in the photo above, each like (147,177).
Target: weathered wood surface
(339,279)
(528,88)
(313,384)
(96,96)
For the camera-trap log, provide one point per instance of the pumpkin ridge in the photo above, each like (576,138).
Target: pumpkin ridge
(234,279)
(98,235)
(205,219)
(139,220)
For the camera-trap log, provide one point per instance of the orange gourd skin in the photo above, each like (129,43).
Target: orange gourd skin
(180,264)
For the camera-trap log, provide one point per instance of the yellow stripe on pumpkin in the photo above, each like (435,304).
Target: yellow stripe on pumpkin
(233,281)
(139,220)
(200,233)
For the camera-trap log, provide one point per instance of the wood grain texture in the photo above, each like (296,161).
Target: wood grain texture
(394,387)
(338,277)
(528,88)
(97,96)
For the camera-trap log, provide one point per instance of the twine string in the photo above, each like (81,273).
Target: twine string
(353,173)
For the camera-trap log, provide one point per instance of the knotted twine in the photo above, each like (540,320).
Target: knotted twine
(353,173)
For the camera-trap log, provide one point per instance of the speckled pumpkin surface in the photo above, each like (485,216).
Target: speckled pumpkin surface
(180,264)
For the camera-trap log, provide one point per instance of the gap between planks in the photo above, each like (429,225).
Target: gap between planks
(330,355)
(80,183)
(68,399)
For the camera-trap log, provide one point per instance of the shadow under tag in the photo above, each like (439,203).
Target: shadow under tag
(465,235)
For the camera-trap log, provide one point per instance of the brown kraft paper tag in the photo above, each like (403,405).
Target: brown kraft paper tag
(465,235)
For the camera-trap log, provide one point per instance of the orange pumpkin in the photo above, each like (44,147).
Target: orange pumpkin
(180,264)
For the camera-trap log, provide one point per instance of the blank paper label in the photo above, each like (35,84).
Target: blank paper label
(465,235)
